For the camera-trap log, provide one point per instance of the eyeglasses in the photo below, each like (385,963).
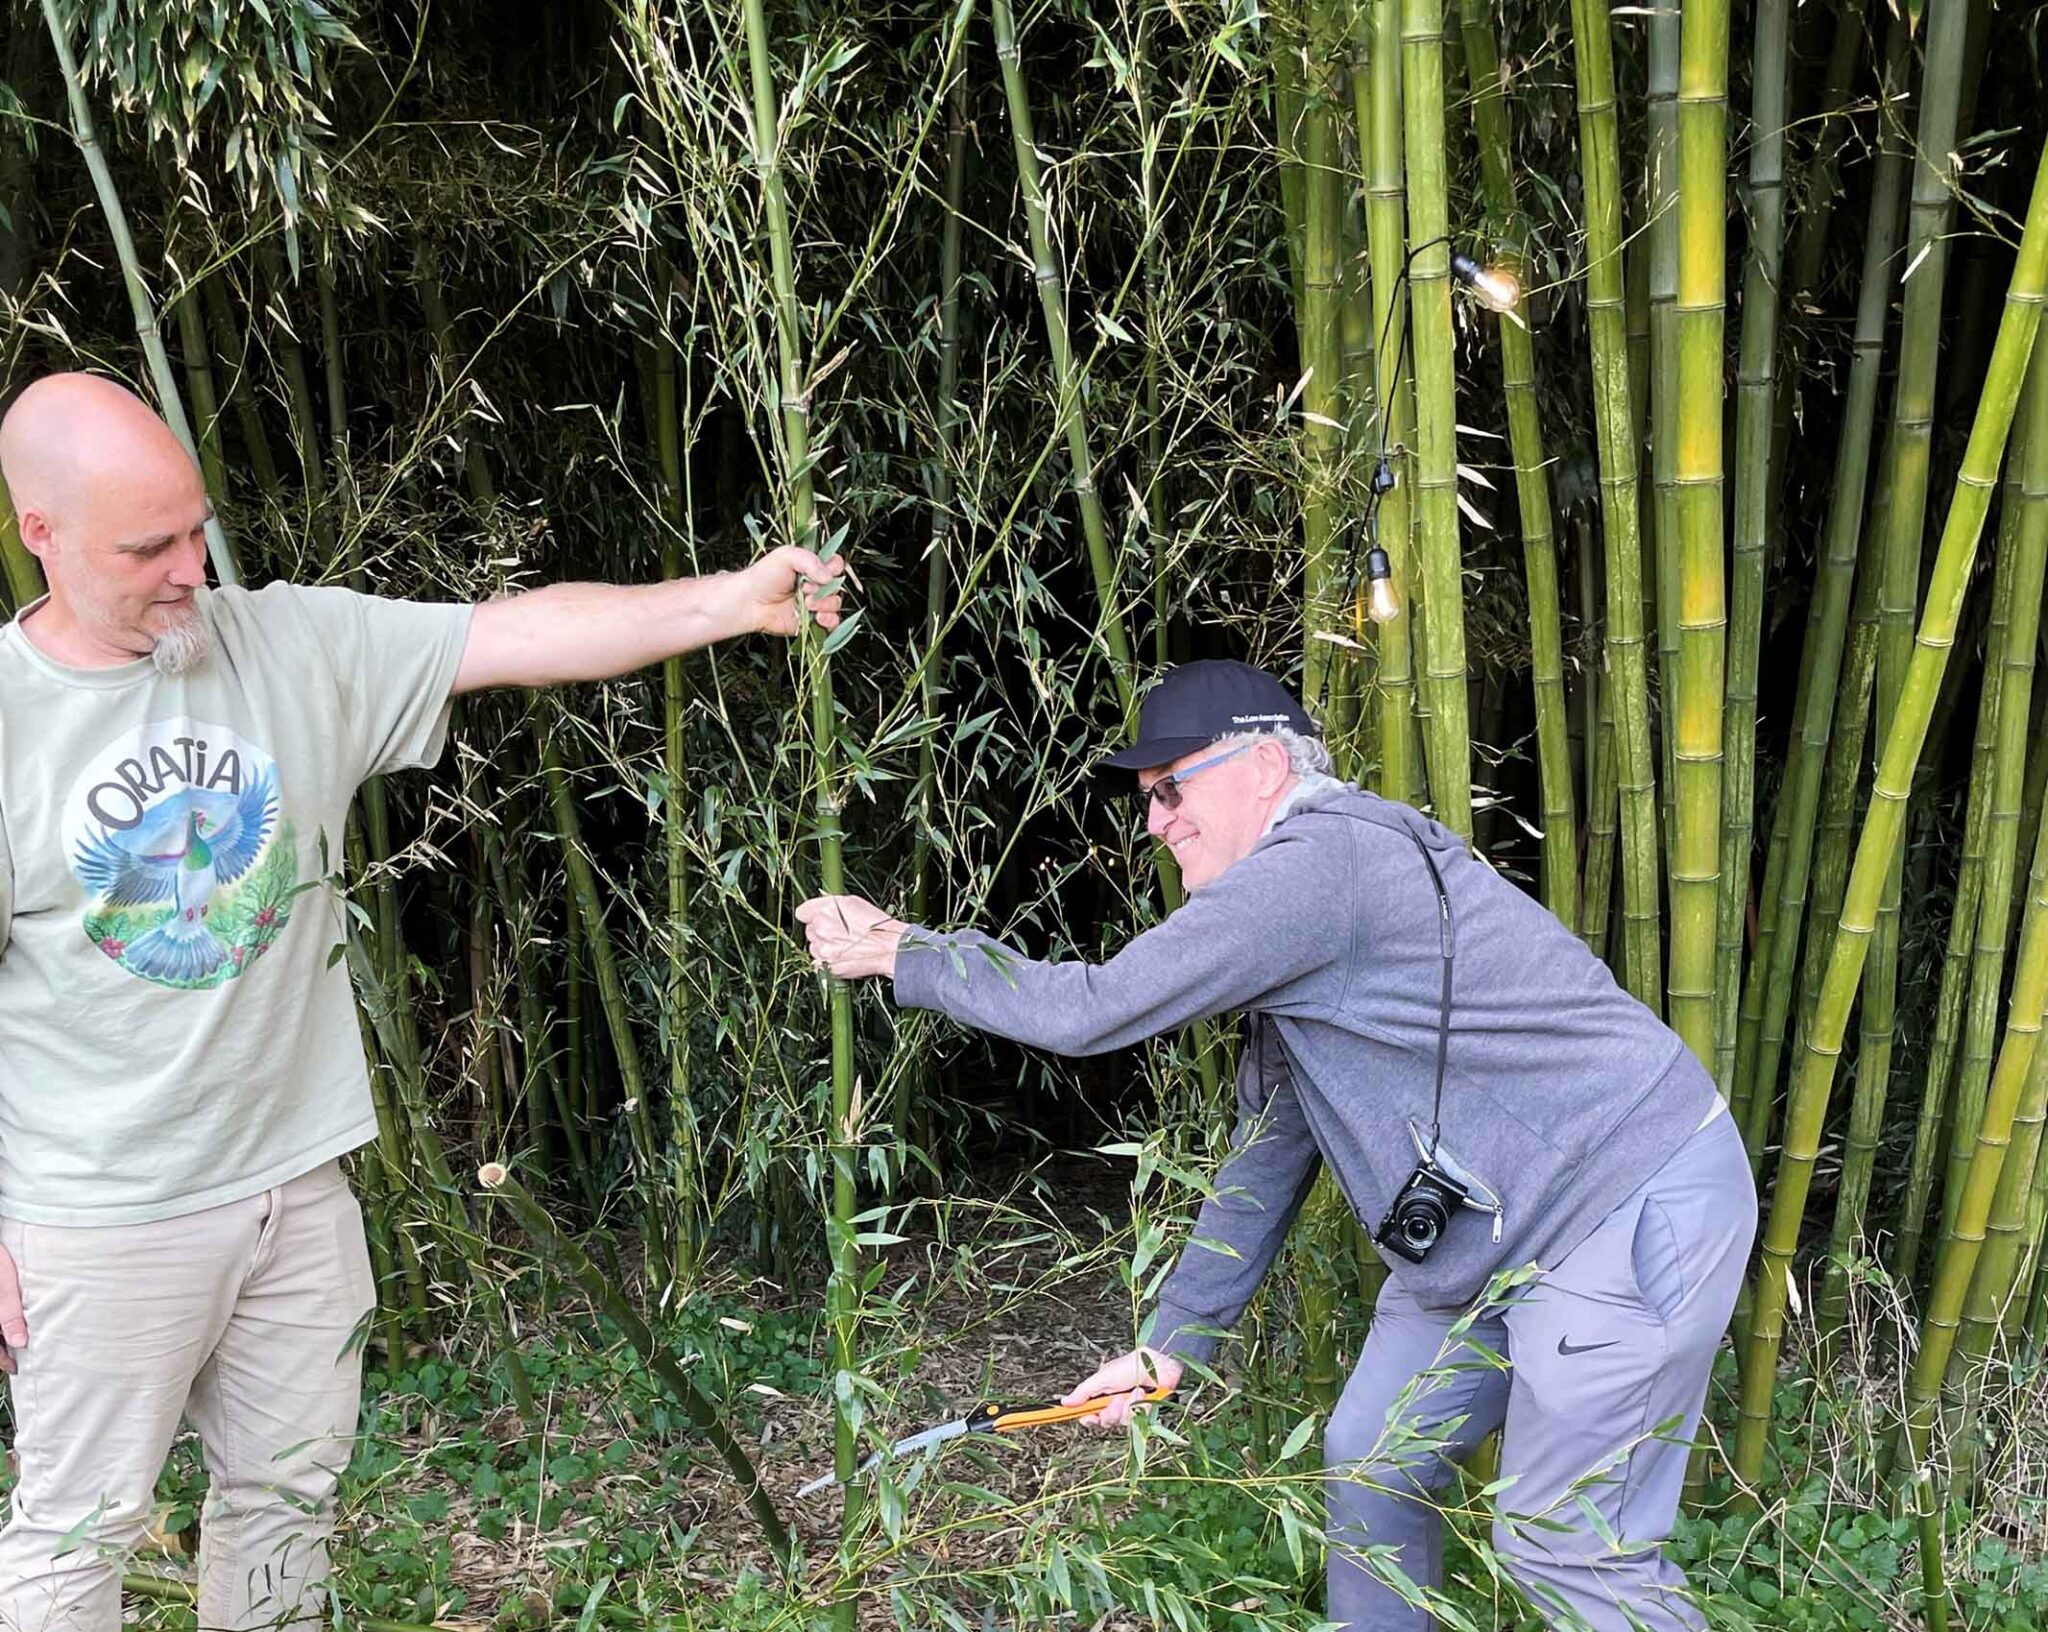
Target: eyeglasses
(1167,789)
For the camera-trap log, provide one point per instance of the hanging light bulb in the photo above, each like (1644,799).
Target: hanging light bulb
(1382,600)
(1494,287)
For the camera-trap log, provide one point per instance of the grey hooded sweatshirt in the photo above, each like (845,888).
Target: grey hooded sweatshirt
(1562,1095)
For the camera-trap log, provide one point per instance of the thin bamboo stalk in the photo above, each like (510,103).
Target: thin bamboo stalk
(946,419)
(199,381)
(232,353)
(1070,378)
(1998,1267)
(1963,1244)
(148,333)
(1379,138)
(1325,603)
(1436,451)
(1614,421)
(1756,388)
(2016,1322)
(1155,278)
(2009,664)
(1288,118)
(1823,166)
(1664,26)
(1826,622)
(842,1291)
(1311,91)
(1066,372)
(1532,482)
(1358,750)
(1926,1159)
(686,1183)
(703,1412)
(1933,1571)
(1911,447)
(1880,837)
(1998,1288)
(1838,792)
(1966,1041)
(611,986)
(1700,580)
(1313,87)
(1596,902)
(543,1078)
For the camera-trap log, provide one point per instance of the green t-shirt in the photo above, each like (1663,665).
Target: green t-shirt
(174,1033)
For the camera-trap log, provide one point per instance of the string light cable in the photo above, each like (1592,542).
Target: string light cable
(1498,290)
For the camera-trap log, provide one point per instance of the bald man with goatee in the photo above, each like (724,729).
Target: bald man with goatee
(180,1066)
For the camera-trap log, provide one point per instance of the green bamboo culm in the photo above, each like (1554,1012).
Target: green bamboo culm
(1933,1573)
(611,982)
(1436,451)
(703,1412)
(1379,138)
(1309,69)
(1067,373)
(1325,603)
(1771,975)
(1999,1266)
(1070,385)
(1911,446)
(1532,480)
(1962,1247)
(677,546)
(1701,610)
(842,1292)
(1866,1114)
(1755,417)
(1659,235)
(1953,992)
(2007,775)
(148,332)
(1807,1107)
(939,546)
(192,346)
(1627,678)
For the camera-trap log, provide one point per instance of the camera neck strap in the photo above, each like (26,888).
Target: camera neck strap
(1446,939)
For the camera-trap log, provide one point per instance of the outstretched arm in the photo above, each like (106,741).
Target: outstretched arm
(567,632)
(1250,938)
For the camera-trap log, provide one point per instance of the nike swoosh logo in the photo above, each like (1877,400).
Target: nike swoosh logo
(1566,1346)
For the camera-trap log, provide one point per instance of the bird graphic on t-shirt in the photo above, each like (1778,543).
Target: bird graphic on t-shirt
(182,850)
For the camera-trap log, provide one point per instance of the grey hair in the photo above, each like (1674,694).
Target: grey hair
(1306,756)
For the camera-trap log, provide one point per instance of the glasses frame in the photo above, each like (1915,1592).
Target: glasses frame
(1167,789)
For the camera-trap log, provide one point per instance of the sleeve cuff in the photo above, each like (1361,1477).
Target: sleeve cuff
(920,959)
(1182,1334)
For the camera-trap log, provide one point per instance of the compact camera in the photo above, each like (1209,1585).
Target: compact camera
(1421,1211)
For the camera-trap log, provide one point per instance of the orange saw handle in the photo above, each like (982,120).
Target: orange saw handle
(1009,1419)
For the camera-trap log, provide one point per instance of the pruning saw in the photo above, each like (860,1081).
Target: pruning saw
(988,1418)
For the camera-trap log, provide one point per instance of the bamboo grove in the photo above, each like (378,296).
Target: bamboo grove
(1086,331)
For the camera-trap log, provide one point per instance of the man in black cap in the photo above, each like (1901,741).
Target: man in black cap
(1564,1206)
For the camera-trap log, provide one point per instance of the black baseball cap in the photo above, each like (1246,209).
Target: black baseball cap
(1203,702)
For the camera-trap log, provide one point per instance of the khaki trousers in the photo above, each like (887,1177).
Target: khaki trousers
(246,1319)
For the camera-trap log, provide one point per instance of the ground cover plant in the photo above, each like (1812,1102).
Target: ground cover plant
(1086,329)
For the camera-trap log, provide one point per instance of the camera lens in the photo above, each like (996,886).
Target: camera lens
(1420,1226)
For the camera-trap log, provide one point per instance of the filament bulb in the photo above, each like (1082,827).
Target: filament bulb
(1382,600)
(1494,287)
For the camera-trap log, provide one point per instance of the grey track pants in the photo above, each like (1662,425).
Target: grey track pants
(1606,1355)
